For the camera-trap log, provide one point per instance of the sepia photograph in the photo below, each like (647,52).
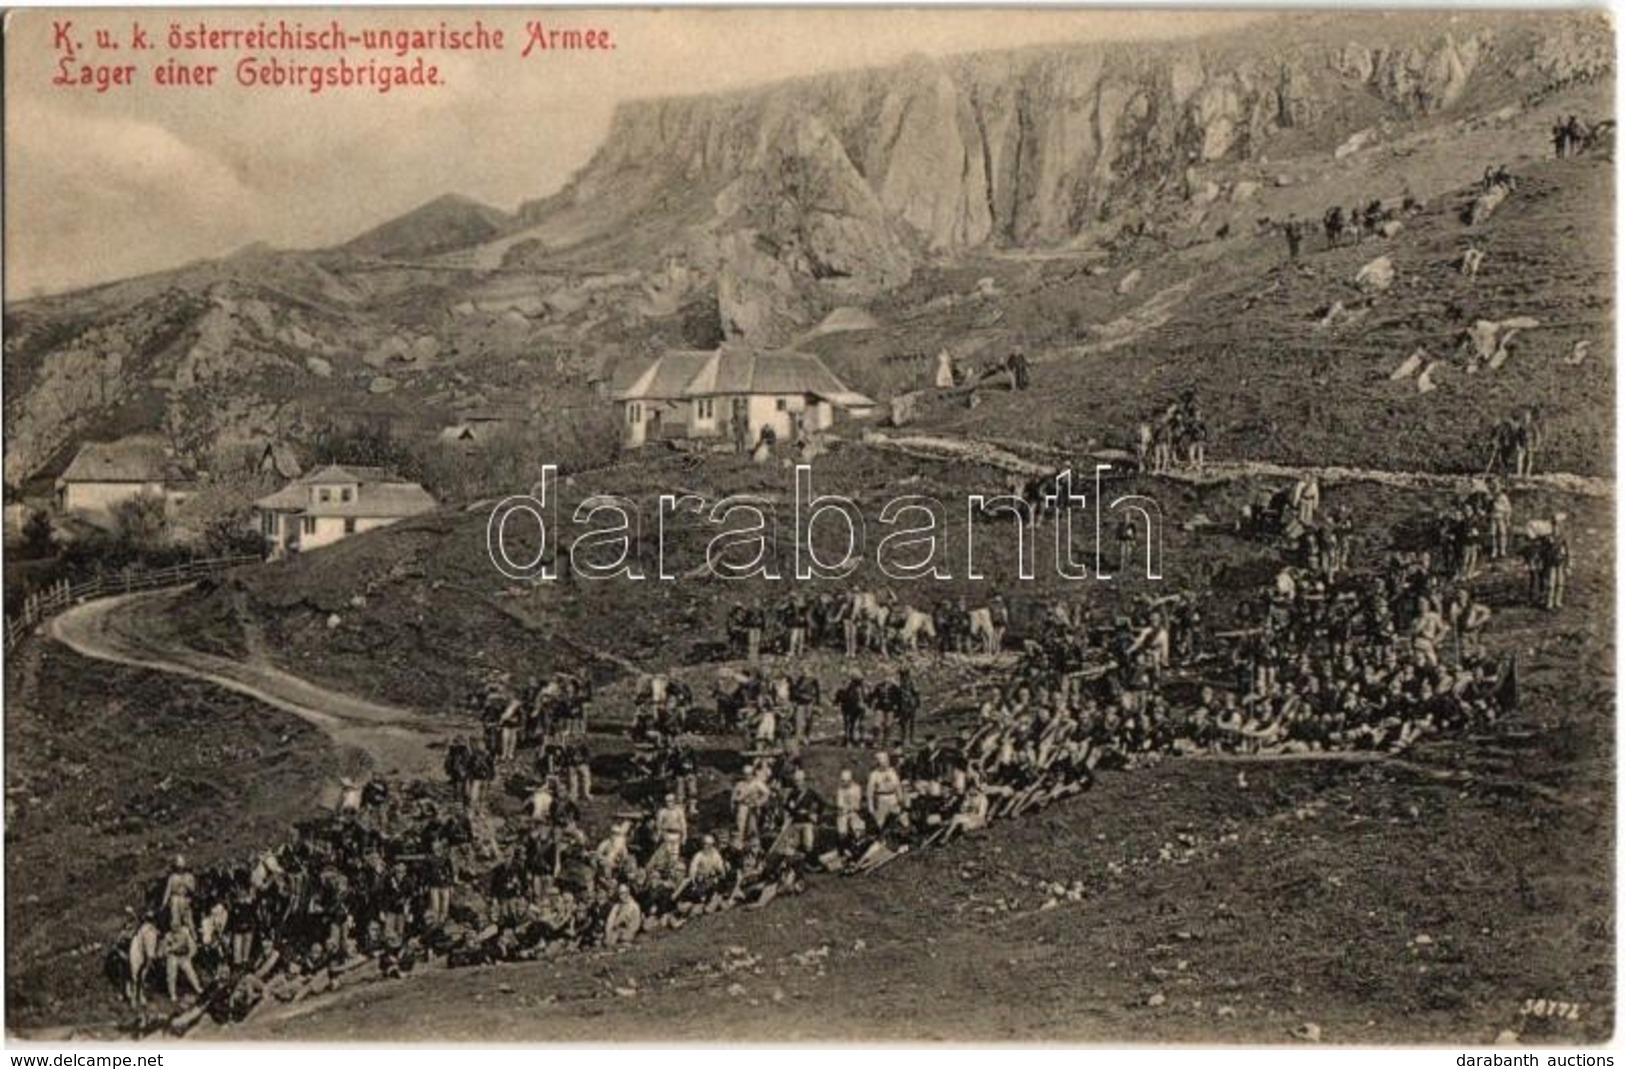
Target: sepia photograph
(803,526)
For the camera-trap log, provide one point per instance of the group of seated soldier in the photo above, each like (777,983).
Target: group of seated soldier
(403,874)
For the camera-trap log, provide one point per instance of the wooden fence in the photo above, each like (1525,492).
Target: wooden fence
(44,604)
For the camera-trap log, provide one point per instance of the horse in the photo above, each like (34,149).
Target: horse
(870,616)
(912,625)
(131,958)
(985,630)
(1340,225)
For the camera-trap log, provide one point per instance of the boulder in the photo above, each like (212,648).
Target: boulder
(1129,282)
(1355,143)
(318,367)
(1376,276)
(1243,191)
(381,384)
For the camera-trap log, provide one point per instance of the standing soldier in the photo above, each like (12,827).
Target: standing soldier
(178,946)
(755,621)
(671,821)
(179,889)
(1555,565)
(1500,521)
(750,797)
(1294,236)
(738,629)
(803,808)
(907,701)
(884,793)
(509,722)
(796,620)
(440,873)
(457,766)
(1016,364)
(1306,499)
(804,698)
(482,770)
(848,808)
(852,702)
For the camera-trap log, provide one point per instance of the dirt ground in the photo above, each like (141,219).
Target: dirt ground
(110,772)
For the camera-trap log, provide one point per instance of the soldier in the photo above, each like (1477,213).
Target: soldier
(440,873)
(509,722)
(804,698)
(481,771)
(706,870)
(1555,565)
(755,622)
(738,629)
(803,808)
(577,769)
(614,855)
(907,701)
(457,766)
(1306,499)
(671,821)
(1016,364)
(1500,521)
(179,946)
(848,808)
(796,621)
(854,706)
(750,796)
(884,791)
(625,919)
(179,889)
(1127,539)
(542,800)
(1294,236)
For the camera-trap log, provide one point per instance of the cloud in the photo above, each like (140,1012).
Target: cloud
(118,197)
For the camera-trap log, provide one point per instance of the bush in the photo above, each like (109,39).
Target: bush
(39,540)
(141,522)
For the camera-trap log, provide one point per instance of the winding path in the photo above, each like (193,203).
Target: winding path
(1009,456)
(399,741)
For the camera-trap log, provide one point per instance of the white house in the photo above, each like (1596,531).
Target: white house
(334,502)
(102,475)
(734,392)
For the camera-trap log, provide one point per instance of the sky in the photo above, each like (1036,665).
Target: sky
(141,177)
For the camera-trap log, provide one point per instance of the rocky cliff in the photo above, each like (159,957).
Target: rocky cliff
(1029,147)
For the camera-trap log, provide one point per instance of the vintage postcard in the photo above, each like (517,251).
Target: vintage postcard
(552,525)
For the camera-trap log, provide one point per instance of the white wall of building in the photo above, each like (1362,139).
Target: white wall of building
(101,498)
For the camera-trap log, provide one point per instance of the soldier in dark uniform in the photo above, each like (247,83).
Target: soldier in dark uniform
(803,808)
(853,702)
(906,703)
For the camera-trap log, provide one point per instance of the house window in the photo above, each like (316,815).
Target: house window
(309,525)
(634,413)
(784,403)
(707,408)
(349,525)
(324,495)
(346,494)
(268,524)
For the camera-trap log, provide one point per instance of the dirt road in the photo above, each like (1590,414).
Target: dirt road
(1004,456)
(400,741)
